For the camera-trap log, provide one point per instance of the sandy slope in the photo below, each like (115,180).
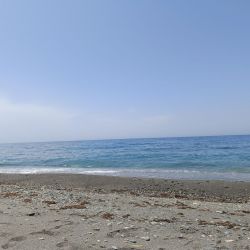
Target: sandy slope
(36,215)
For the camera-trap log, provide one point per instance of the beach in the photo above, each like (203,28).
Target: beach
(124,125)
(73,211)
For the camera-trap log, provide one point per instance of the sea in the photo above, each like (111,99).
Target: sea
(204,158)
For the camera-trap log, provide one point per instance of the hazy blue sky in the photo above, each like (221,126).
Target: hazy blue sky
(119,69)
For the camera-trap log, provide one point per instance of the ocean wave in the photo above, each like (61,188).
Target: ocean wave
(139,173)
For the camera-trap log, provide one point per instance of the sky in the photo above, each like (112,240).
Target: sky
(73,70)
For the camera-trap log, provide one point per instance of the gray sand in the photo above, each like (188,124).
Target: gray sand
(54,211)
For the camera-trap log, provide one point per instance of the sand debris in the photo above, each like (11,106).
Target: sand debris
(81,205)
(226,224)
(49,202)
(10,194)
(107,216)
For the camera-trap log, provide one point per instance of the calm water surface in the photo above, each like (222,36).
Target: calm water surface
(220,157)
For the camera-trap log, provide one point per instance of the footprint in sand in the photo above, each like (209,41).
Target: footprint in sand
(62,244)
(12,242)
(44,231)
(4,235)
(69,246)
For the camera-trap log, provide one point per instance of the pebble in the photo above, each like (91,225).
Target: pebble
(31,214)
(146,238)
(114,247)
(137,246)
(132,241)
(220,212)
(229,241)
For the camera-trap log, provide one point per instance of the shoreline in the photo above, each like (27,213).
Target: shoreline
(207,190)
(146,173)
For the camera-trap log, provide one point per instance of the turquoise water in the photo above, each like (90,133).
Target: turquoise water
(218,157)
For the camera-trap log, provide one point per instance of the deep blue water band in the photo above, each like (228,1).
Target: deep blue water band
(218,157)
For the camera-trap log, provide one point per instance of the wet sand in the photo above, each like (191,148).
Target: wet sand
(64,211)
(205,190)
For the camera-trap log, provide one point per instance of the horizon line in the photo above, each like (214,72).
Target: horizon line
(129,138)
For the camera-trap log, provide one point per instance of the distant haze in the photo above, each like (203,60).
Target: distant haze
(72,70)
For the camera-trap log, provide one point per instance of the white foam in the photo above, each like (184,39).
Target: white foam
(53,170)
(144,173)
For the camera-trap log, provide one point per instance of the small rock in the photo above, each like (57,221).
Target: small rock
(146,238)
(229,241)
(153,223)
(31,214)
(132,241)
(137,246)
(220,212)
